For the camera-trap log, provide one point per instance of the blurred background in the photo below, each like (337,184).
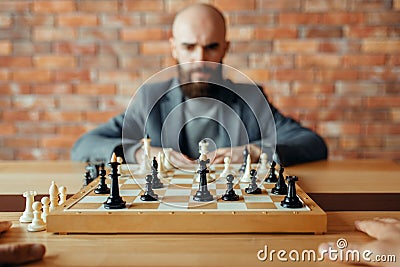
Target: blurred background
(68,65)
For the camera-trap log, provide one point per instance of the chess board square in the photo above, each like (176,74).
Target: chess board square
(221,192)
(181,181)
(172,206)
(178,192)
(129,199)
(203,205)
(276,198)
(257,198)
(269,185)
(137,181)
(175,199)
(144,205)
(86,206)
(212,192)
(279,207)
(264,206)
(94,199)
(125,193)
(231,205)
(130,187)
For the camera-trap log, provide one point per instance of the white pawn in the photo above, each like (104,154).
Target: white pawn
(167,164)
(246,175)
(62,192)
(37,223)
(27,216)
(46,207)
(53,192)
(162,173)
(145,165)
(263,167)
(227,168)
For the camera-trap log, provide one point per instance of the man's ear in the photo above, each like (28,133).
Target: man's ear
(173,47)
(227,45)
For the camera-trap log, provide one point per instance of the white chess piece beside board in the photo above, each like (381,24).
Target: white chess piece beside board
(176,212)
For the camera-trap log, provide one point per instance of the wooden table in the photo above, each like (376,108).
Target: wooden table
(324,178)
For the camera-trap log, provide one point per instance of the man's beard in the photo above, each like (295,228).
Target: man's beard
(192,89)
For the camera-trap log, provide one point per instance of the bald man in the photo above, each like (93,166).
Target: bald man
(198,44)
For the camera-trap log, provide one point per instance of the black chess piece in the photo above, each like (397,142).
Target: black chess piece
(280,186)
(245,154)
(156,183)
(253,187)
(291,200)
(203,194)
(102,188)
(230,194)
(271,177)
(88,178)
(114,201)
(149,194)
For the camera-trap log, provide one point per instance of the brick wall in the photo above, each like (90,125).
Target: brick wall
(66,66)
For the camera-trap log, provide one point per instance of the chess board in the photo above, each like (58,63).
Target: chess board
(177,212)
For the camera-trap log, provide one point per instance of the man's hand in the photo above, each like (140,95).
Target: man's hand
(386,231)
(19,253)
(175,158)
(235,153)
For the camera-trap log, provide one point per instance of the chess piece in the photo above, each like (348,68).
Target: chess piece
(253,187)
(167,163)
(291,200)
(88,178)
(263,167)
(230,194)
(245,156)
(114,201)
(46,207)
(62,192)
(227,168)
(280,186)
(246,175)
(203,194)
(53,192)
(149,194)
(27,215)
(162,172)
(102,188)
(156,183)
(203,147)
(145,165)
(203,150)
(271,177)
(37,223)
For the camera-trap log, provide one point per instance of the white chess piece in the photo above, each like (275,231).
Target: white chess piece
(27,216)
(162,173)
(37,223)
(227,168)
(246,175)
(263,167)
(46,207)
(203,147)
(145,164)
(167,164)
(62,192)
(53,192)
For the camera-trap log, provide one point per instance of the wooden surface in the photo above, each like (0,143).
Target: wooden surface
(183,249)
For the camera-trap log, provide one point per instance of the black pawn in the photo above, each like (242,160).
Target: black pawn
(253,187)
(245,154)
(156,183)
(230,194)
(149,194)
(280,186)
(291,200)
(114,201)
(271,178)
(203,194)
(88,178)
(102,188)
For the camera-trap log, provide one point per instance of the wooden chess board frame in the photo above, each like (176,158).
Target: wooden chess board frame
(64,221)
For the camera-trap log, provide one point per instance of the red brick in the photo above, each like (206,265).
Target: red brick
(31,76)
(340,47)
(33,102)
(383,101)
(56,89)
(43,34)
(143,62)
(15,33)
(381,128)
(117,76)
(74,48)
(4,75)
(386,18)
(396,4)
(62,116)
(7,128)
(363,60)
(381,46)
(142,5)
(5,20)
(355,88)
(343,18)
(95,89)
(355,142)
(15,62)
(369,5)
(35,128)
(298,46)
(28,48)
(282,5)
(119,20)
(17,142)
(73,76)
(142,34)
(100,116)
(33,19)
(345,102)
(238,61)
(272,33)
(250,47)
(335,75)
(76,20)
(228,5)
(5,47)
(271,61)
(63,141)
(293,75)
(395,114)
(54,62)
(117,104)
(240,33)
(72,130)
(98,6)
(299,18)
(49,6)
(20,115)
(252,18)
(15,5)
(99,61)
(324,5)
(155,48)
(322,32)
(98,34)
(38,154)
(393,60)
(288,102)
(365,31)
(78,103)
(115,48)
(318,61)
(300,88)
(257,75)
(365,115)
(330,129)
(14,89)
(380,74)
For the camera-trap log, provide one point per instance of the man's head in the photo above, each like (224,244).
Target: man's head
(198,37)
